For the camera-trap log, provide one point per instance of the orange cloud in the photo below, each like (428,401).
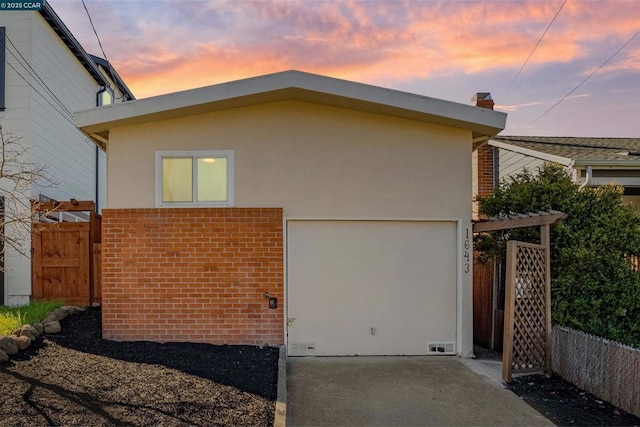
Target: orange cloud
(373,41)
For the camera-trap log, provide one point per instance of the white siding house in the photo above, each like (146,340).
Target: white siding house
(48,76)
(591,161)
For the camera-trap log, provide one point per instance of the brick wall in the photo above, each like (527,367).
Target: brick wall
(193,274)
(485,170)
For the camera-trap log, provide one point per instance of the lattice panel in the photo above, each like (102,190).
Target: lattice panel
(527,334)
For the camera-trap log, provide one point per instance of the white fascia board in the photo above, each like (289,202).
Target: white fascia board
(564,161)
(625,164)
(292,85)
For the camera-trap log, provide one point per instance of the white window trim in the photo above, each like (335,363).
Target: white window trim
(228,154)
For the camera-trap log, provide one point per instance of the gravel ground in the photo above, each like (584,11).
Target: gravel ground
(74,378)
(562,402)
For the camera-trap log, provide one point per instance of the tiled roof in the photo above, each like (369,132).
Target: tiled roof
(579,148)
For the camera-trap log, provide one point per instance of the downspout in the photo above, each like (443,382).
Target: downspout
(102,90)
(587,178)
(97,179)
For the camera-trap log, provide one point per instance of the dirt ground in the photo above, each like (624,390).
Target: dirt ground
(74,378)
(562,402)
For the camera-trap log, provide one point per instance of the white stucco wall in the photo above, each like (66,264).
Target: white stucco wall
(317,162)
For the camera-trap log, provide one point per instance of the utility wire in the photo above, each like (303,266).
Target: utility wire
(39,93)
(100,44)
(29,69)
(94,31)
(588,77)
(536,46)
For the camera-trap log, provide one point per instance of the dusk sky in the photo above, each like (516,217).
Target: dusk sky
(442,49)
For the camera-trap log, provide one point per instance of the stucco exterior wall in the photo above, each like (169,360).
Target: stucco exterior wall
(309,159)
(315,161)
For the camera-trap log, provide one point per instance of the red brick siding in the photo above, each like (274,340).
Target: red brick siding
(193,274)
(485,170)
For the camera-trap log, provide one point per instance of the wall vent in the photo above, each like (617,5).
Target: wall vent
(301,349)
(441,348)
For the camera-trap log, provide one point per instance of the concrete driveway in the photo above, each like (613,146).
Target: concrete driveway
(399,391)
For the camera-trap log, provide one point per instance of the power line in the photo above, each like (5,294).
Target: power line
(39,93)
(29,69)
(100,44)
(94,31)
(536,46)
(588,77)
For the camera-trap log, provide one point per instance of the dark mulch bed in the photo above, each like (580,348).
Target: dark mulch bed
(567,405)
(75,378)
(562,402)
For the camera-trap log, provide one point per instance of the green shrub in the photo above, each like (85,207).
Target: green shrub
(11,318)
(594,289)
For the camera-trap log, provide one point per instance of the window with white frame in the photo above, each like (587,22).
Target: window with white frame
(194,178)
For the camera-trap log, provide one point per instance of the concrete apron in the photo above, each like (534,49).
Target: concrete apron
(399,391)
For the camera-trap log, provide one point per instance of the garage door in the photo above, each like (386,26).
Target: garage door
(371,287)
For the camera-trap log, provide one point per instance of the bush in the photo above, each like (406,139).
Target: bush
(594,288)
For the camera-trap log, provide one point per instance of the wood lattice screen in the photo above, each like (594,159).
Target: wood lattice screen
(527,335)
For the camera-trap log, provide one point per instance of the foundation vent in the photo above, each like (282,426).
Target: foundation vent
(301,349)
(441,348)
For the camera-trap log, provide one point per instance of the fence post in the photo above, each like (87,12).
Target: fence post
(509,306)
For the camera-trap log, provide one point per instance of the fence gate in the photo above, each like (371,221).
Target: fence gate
(62,260)
(527,334)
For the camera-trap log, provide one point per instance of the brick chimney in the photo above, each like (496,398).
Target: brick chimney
(485,152)
(483,100)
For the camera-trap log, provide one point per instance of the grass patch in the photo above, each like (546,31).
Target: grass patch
(11,318)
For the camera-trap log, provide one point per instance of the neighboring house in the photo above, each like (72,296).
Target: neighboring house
(291,207)
(591,162)
(45,75)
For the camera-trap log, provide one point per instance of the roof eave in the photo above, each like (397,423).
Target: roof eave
(565,161)
(70,41)
(293,85)
(607,163)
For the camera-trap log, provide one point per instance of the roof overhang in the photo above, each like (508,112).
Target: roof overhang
(631,162)
(604,163)
(291,85)
(87,61)
(564,161)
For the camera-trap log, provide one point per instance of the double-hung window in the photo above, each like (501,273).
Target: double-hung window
(194,178)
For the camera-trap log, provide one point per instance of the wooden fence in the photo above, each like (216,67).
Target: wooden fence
(604,368)
(65,260)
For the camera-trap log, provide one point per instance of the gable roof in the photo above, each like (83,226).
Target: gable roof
(87,61)
(291,85)
(578,151)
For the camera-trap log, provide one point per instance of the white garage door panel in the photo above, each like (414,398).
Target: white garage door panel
(370,287)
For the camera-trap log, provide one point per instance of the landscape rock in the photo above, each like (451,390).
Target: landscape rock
(38,327)
(22,341)
(29,331)
(50,318)
(72,309)
(16,333)
(3,356)
(8,345)
(60,314)
(52,327)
